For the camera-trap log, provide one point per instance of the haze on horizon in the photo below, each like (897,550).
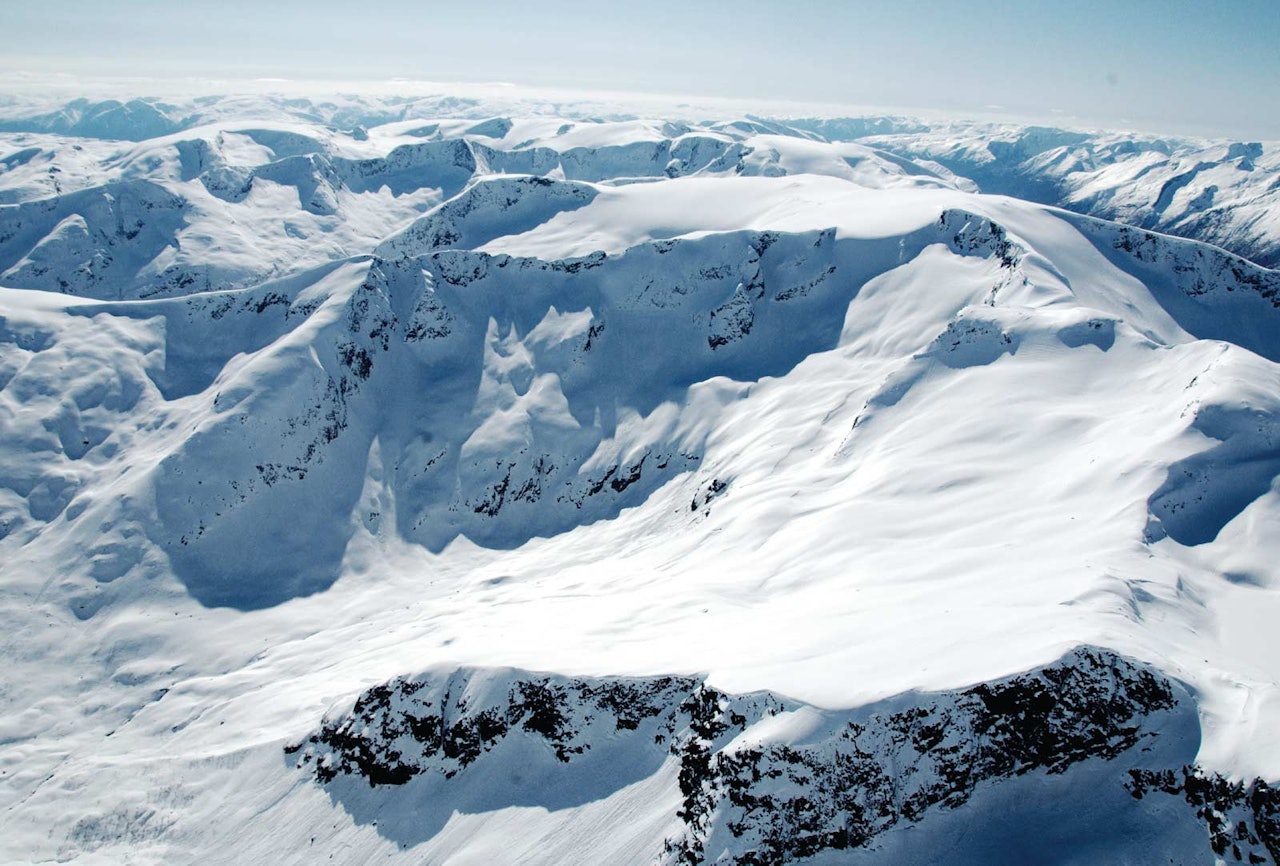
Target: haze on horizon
(1163,65)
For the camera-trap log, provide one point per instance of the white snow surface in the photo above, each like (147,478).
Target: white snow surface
(911,436)
(1223,192)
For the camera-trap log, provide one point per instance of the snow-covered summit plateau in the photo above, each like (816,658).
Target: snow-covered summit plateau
(413,481)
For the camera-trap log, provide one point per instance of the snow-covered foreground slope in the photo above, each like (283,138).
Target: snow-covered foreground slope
(556,491)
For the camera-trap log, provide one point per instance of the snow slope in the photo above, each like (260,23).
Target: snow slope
(1225,193)
(551,490)
(1222,192)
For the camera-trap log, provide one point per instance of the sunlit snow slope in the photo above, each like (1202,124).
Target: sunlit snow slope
(552,490)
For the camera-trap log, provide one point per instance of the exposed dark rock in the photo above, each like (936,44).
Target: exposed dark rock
(769,802)
(1242,820)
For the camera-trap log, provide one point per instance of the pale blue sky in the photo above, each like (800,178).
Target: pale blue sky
(1209,67)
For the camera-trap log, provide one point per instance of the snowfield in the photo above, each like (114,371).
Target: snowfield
(417,482)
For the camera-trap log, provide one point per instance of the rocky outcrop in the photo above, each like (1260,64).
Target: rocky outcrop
(749,792)
(1242,818)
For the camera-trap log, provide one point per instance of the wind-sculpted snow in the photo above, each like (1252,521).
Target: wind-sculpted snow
(75,400)
(1205,491)
(763,779)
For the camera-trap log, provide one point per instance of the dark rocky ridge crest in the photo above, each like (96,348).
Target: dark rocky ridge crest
(749,797)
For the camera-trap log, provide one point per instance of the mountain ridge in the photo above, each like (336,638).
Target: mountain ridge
(796,415)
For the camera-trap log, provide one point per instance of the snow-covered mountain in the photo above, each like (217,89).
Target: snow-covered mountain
(1223,192)
(425,487)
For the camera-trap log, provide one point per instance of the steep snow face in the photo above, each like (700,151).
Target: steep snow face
(767,447)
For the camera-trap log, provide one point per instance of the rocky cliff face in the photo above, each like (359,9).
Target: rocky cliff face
(750,790)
